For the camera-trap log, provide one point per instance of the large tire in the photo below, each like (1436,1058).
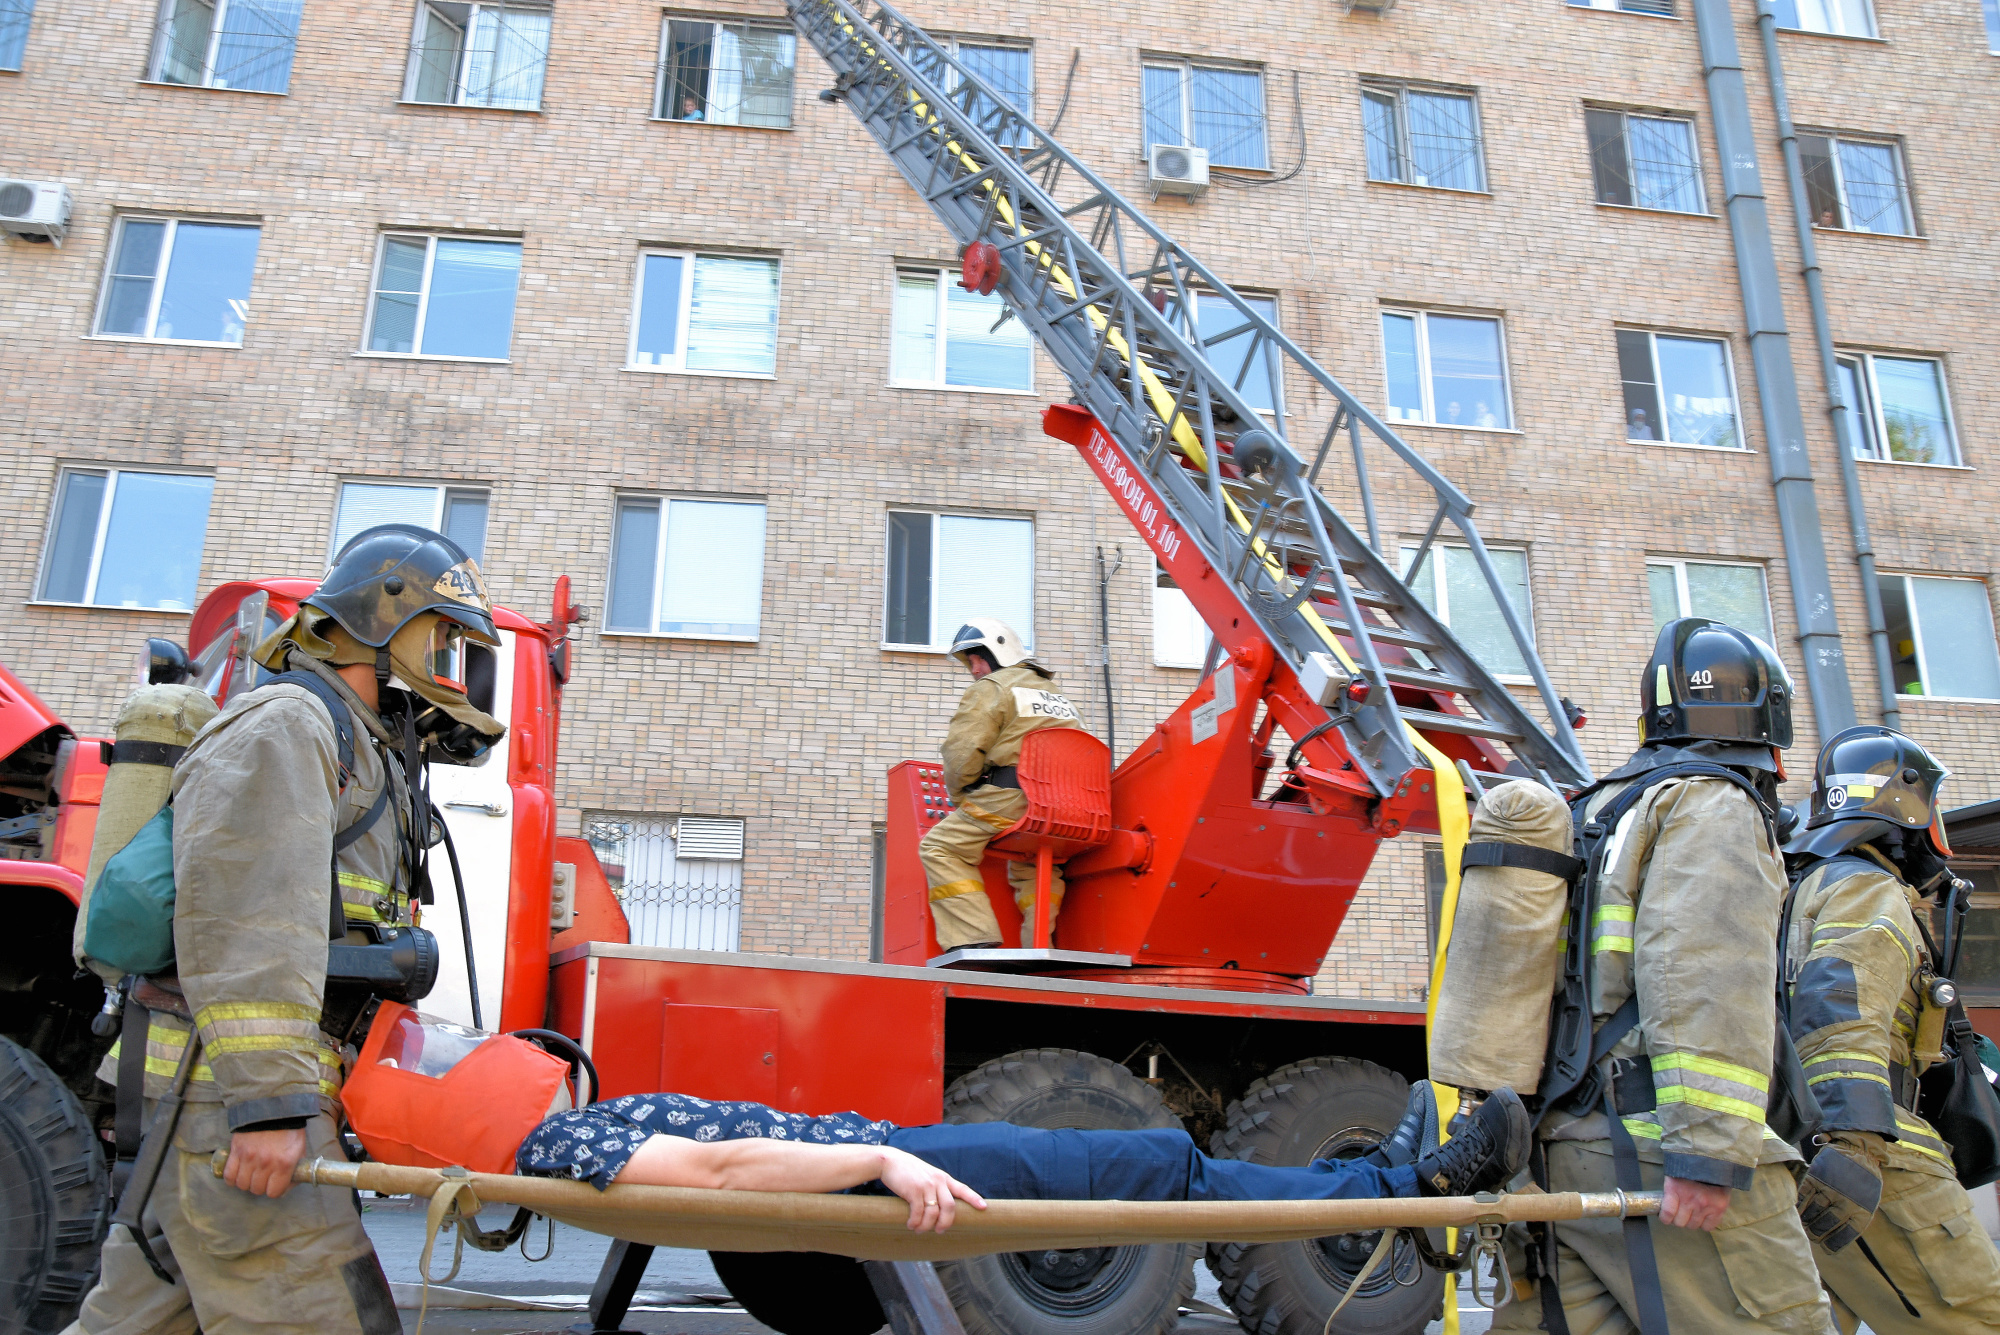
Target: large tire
(1325,1108)
(54,1197)
(1087,1291)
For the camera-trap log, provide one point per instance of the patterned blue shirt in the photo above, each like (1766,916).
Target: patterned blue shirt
(594,1144)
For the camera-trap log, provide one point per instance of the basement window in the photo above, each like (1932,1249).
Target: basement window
(687,567)
(1856,185)
(946,569)
(1941,636)
(1726,591)
(679,879)
(457,512)
(126,539)
(14,17)
(242,44)
(1644,162)
(479,55)
(726,73)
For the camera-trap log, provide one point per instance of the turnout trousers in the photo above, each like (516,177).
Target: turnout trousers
(1926,1236)
(951,852)
(242,1264)
(1753,1273)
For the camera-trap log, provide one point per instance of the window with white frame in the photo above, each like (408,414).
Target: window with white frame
(1422,136)
(1677,389)
(1856,185)
(444,296)
(1008,70)
(1450,584)
(1644,161)
(1847,18)
(1901,411)
(242,44)
(945,337)
(1661,7)
(1727,591)
(946,569)
(1180,637)
(479,55)
(14,19)
(457,512)
(726,73)
(712,314)
(1214,108)
(1222,333)
(1941,636)
(177,280)
(687,567)
(1991,9)
(1447,370)
(119,538)
(678,878)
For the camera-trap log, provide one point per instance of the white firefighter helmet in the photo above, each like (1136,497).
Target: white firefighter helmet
(995,637)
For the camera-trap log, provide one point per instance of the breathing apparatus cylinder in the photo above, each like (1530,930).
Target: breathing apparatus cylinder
(154,727)
(1504,959)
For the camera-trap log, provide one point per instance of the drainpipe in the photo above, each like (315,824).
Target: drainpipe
(1771,356)
(1844,429)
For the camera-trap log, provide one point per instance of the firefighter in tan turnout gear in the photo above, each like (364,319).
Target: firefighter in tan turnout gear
(1865,1016)
(1681,970)
(1010,697)
(282,802)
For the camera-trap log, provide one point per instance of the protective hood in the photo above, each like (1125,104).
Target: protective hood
(1828,841)
(317,634)
(1736,755)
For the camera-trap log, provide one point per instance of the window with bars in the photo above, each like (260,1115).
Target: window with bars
(1450,584)
(1226,338)
(1422,136)
(444,296)
(1661,7)
(1727,591)
(178,280)
(1856,185)
(457,512)
(1644,161)
(1846,18)
(1677,389)
(120,538)
(687,567)
(15,16)
(679,879)
(944,337)
(1941,636)
(479,55)
(1447,370)
(946,569)
(1901,411)
(726,73)
(1008,71)
(241,44)
(705,314)
(1216,109)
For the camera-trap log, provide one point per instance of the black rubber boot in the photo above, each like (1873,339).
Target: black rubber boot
(1490,1150)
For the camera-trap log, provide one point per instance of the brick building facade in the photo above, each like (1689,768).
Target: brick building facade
(1413,174)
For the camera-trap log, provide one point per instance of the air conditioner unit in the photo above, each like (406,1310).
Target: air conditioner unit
(1174,169)
(1365,6)
(34,210)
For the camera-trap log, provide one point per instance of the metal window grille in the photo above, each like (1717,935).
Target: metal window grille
(676,892)
(479,55)
(1010,72)
(726,74)
(241,44)
(1855,185)
(1423,136)
(1646,162)
(1220,111)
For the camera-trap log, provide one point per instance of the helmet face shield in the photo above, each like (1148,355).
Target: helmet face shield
(445,655)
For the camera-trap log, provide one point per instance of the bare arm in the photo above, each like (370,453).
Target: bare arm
(784,1165)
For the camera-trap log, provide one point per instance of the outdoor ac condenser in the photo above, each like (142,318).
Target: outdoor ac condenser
(1174,169)
(34,210)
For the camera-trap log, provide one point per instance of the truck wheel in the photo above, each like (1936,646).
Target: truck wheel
(1325,1108)
(54,1197)
(1089,1290)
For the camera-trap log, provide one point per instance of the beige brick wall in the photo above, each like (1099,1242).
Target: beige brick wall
(795,732)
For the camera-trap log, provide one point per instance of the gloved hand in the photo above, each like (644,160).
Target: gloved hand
(1839,1193)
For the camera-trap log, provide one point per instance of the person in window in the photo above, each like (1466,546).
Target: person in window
(1454,414)
(690,108)
(1484,418)
(1637,427)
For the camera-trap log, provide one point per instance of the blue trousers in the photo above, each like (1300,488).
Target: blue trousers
(1005,1162)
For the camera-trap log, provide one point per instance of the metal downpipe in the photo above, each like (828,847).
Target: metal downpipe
(1777,384)
(1844,432)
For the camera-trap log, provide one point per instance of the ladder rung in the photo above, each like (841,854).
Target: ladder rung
(1429,681)
(1407,639)
(1427,720)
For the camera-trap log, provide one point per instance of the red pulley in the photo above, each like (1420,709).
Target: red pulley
(980,268)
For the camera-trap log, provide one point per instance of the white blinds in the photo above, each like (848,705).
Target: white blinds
(714,581)
(985,568)
(366,504)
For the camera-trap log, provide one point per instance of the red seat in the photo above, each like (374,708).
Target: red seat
(1065,774)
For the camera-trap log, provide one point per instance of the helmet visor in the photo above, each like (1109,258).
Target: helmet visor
(444,655)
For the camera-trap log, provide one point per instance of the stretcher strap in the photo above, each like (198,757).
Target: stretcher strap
(1645,1266)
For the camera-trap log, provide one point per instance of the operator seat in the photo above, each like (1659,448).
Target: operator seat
(1065,774)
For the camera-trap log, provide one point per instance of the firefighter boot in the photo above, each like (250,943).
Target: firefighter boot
(1490,1150)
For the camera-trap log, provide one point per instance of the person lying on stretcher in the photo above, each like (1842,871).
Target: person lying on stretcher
(677,1140)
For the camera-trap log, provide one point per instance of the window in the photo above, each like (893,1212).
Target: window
(1731,592)
(1449,370)
(1645,162)
(948,338)
(479,55)
(1991,8)
(457,512)
(1217,110)
(726,74)
(1941,636)
(1900,409)
(679,879)
(1457,594)
(14,16)
(1629,6)
(1677,389)
(177,281)
(443,296)
(122,539)
(1422,136)
(1216,318)
(1180,636)
(721,321)
(685,567)
(242,44)
(1008,71)
(945,570)
(1855,185)
(1847,18)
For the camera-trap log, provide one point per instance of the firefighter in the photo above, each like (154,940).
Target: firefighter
(261,805)
(1872,854)
(1683,950)
(1010,697)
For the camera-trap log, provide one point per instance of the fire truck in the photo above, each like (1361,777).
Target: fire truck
(1208,871)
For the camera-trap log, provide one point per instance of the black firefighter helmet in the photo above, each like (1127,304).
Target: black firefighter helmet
(387,574)
(1877,775)
(1710,680)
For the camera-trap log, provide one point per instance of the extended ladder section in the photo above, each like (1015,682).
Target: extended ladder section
(1111,297)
